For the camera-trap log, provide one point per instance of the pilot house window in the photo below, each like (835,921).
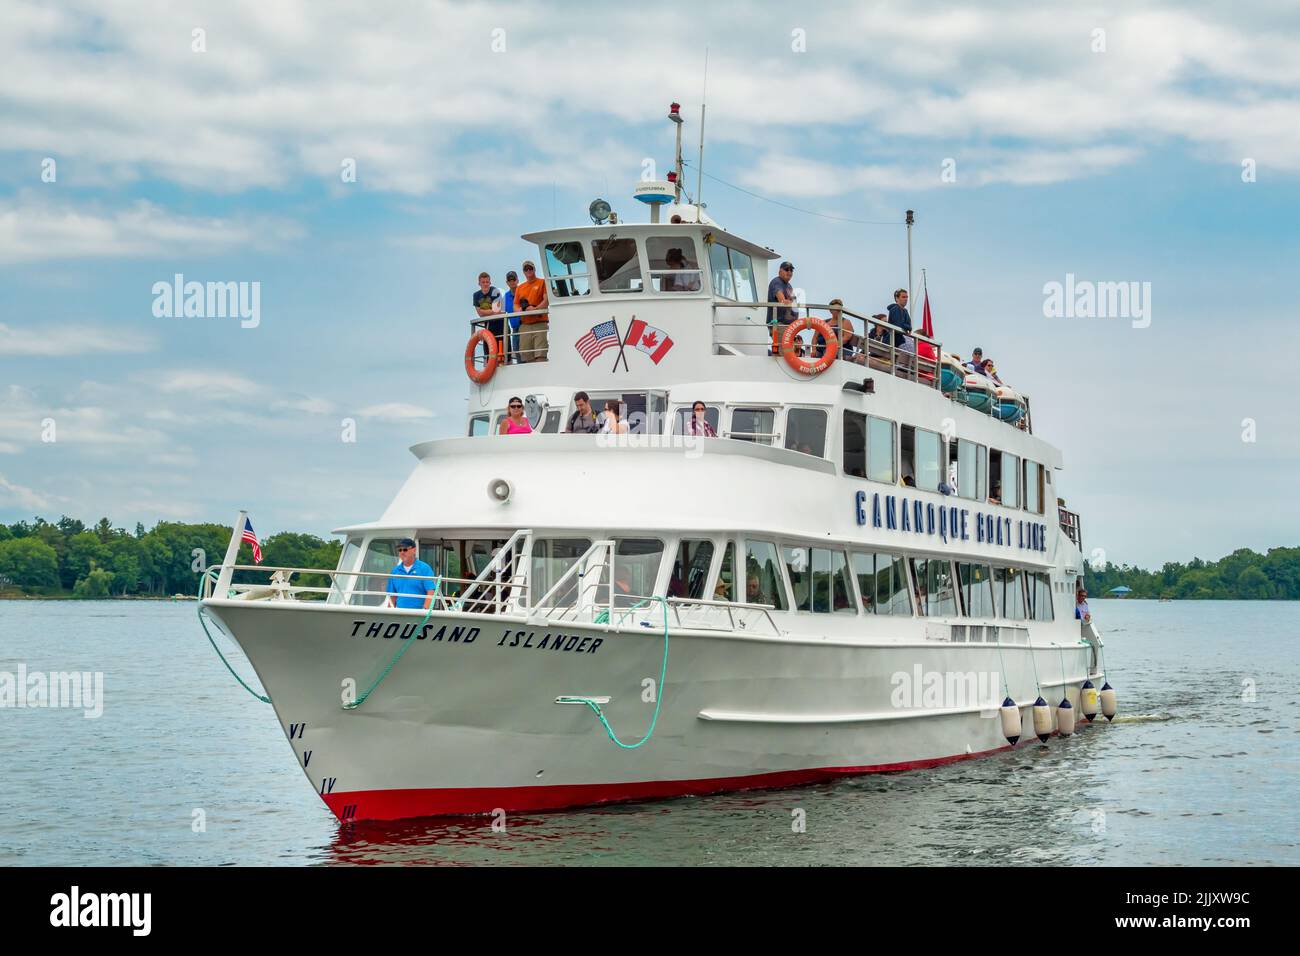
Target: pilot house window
(618,266)
(566,266)
(674,266)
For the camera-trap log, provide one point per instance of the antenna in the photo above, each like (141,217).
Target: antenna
(674,114)
(699,169)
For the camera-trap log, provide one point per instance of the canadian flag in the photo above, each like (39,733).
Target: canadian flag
(650,340)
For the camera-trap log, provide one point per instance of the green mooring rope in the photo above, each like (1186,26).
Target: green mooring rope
(659,689)
(204,623)
(437,586)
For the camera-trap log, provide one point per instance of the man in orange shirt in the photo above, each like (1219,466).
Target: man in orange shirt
(529,295)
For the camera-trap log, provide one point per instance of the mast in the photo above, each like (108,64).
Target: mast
(674,114)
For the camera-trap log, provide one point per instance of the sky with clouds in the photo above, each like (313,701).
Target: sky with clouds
(1107,141)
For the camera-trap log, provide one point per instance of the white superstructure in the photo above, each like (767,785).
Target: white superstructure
(817,615)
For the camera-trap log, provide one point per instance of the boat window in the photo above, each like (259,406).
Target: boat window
(753,424)
(566,267)
(1039,589)
(691,569)
(1010,481)
(478,425)
(1033,487)
(742,276)
(1010,593)
(819,580)
(733,273)
(880,449)
(720,266)
(805,431)
(855,444)
(618,265)
(763,583)
(923,450)
(380,558)
(977,589)
(552,423)
(684,416)
(339,583)
(636,566)
(725,589)
(674,266)
(882,582)
(970,469)
(936,595)
(552,558)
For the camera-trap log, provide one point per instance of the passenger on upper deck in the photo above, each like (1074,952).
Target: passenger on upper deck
(976,363)
(531,294)
(990,371)
(487,302)
(900,318)
(780,291)
(512,280)
(853,348)
(583,419)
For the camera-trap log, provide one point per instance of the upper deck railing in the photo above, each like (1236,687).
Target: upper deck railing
(920,360)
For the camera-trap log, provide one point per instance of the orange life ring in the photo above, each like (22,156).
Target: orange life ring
(481,375)
(810,366)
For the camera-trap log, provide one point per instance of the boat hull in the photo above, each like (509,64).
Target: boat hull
(466,722)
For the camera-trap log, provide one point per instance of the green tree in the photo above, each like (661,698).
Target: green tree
(95,584)
(29,563)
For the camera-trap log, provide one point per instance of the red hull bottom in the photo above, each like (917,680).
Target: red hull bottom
(357,805)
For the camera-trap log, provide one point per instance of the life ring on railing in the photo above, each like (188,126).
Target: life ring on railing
(811,365)
(481,375)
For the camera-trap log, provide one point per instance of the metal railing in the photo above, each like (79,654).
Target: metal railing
(510,341)
(875,349)
(1071,525)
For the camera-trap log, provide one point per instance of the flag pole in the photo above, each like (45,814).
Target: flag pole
(909,220)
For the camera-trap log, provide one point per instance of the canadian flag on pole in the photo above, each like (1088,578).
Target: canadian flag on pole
(650,340)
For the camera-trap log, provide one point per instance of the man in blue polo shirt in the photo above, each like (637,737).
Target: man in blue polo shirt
(415,591)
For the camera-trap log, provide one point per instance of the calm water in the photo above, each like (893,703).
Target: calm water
(1190,774)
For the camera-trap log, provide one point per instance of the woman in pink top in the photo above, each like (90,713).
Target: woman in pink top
(515,423)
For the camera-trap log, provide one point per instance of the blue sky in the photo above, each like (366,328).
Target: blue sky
(223,163)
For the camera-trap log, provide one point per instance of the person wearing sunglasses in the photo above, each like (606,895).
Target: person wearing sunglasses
(530,295)
(697,424)
(414,586)
(515,422)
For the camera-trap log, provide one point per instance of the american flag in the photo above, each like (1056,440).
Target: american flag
(250,536)
(601,337)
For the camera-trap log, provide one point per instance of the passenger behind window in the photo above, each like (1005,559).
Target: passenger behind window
(679,282)
(611,425)
(515,423)
(583,418)
(697,424)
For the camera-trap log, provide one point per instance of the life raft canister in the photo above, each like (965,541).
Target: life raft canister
(481,375)
(810,366)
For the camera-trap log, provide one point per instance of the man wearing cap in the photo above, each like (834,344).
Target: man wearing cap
(976,363)
(414,585)
(531,294)
(780,290)
(512,280)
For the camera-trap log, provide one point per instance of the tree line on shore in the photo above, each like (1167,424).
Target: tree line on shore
(66,557)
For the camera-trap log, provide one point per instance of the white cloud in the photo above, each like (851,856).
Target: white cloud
(34,229)
(208,384)
(312,406)
(396,412)
(65,339)
(12,494)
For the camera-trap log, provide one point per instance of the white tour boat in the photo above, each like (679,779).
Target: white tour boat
(855,572)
